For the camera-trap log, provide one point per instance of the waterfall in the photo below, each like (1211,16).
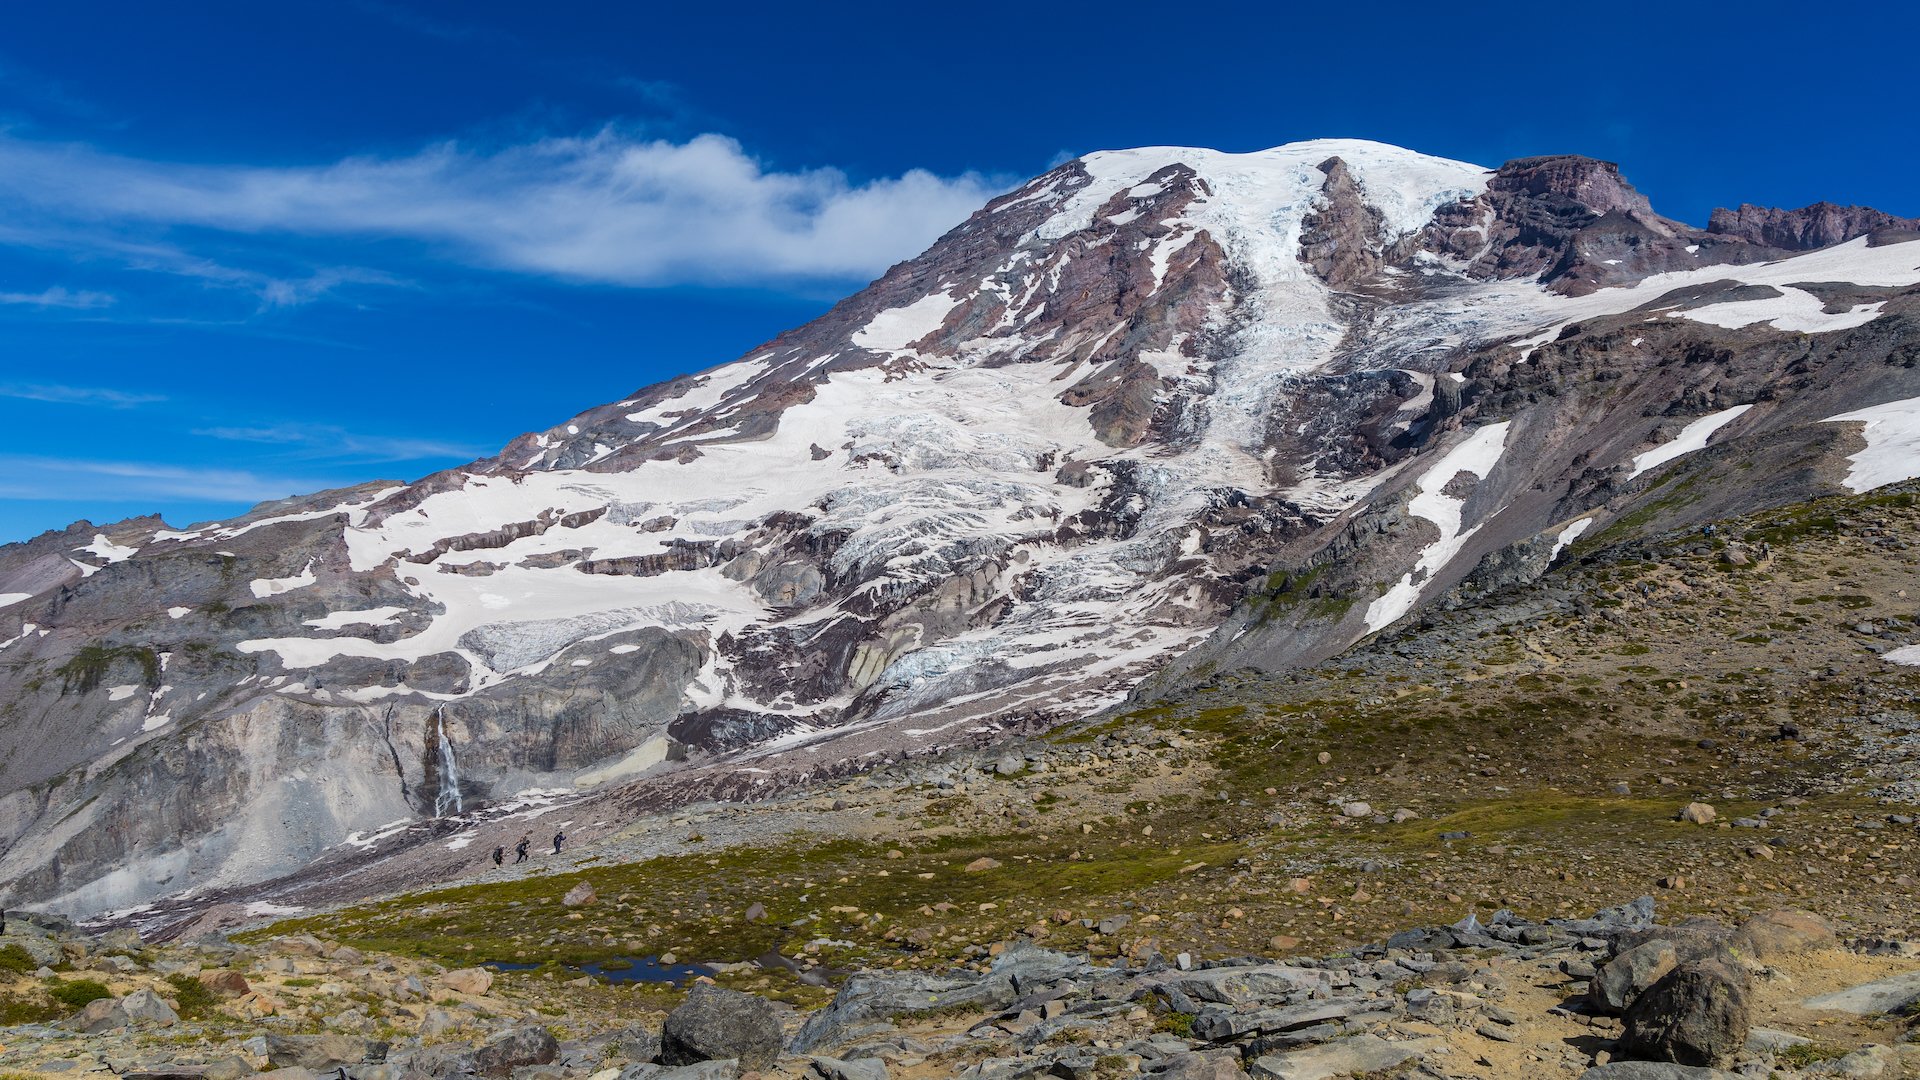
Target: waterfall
(446,799)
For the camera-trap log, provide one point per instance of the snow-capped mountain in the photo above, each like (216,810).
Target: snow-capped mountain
(1157,411)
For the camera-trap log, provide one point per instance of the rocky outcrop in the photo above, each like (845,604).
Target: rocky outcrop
(1342,241)
(1811,227)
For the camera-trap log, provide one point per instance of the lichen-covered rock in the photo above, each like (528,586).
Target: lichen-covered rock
(1628,975)
(1774,934)
(1698,1014)
(715,1024)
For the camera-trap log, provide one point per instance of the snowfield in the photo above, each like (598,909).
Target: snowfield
(1892,432)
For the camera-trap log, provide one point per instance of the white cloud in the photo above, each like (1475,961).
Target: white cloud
(328,441)
(77,395)
(57,297)
(602,208)
(25,476)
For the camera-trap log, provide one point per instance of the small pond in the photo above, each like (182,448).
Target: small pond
(621,969)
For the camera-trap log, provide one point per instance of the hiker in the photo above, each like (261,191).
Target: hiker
(558,839)
(499,855)
(520,849)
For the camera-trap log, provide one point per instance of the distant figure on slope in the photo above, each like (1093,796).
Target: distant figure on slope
(499,855)
(520,849)
(558,839)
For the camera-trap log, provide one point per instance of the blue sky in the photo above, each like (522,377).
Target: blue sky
(248,250)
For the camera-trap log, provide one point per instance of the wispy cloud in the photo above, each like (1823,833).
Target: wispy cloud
(68,480)
(336,443)
(606,207)
(77,395)
(58,297)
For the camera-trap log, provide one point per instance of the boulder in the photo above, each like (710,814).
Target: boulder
(102,1014)
(1870,999)
(473,980)
(1653,1070)
(1698,813)
(224,982)
(855,1069)
(1781,933)
(1202,1067)
(528,1044)
(319,1052)
(634,1044)
(439,1022)
(725,1069)
(579,896)
(297,945)
(125,939)
(870,999)
(984,862)
(44,950)
(1698,1014)
(713,1024)
(1628,975)
(1356,1056)
(147,1007)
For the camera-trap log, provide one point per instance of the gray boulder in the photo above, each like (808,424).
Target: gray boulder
(45,951)
(1356,1056)
(715,1024)
(868,998)
(147,1007)
(724,1069)
(1202,1067)
(1868,999)
(1698,1014)
(529,1044)
(854,1069)
(1653,1070)
(103,1014)
(318,1052)
(1628,975)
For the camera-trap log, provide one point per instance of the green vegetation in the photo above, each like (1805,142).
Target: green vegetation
(26,1009)
(84,670)
(16,959)
(1802,1055)
(194,1001)
(76,993)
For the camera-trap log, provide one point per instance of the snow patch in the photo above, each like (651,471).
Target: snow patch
(1692,437)
(265,587)
(179,612)
(1477,455)
(335,620)
(1905,655)
(1793,310)
(108,550)
(894,329)
(11,598)
(1892,431)
(1568,535)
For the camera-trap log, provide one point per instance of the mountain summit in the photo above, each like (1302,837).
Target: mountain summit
(1154,414)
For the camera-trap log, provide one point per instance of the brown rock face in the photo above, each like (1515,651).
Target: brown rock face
(230,983)
(1588,182)
(1821,225)
(1341,242)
